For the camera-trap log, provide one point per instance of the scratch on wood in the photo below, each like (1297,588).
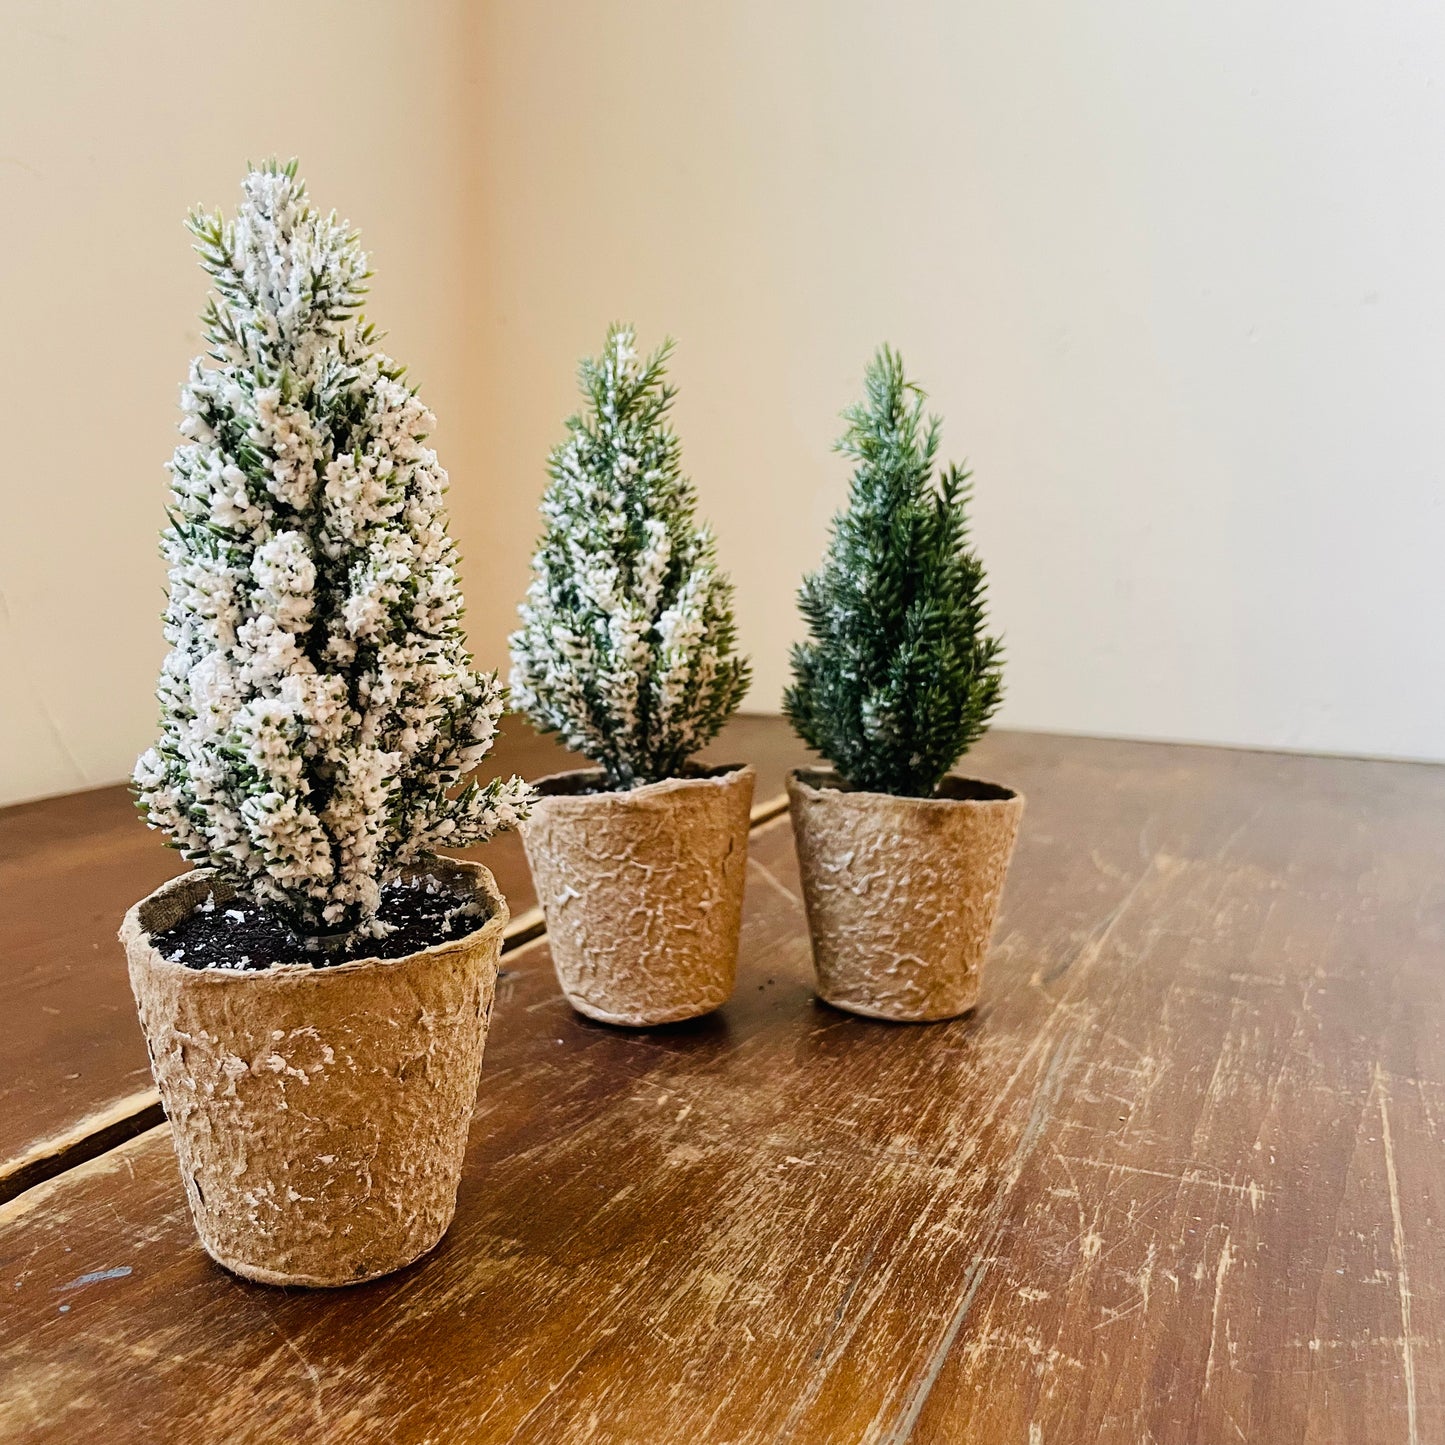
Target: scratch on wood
(774,881)
(1045,1099)
(1235,836)
(312,1374)
(1251,1191)
(1146,1273)
(1402,1275)
(1094,946)
(1226,1258)
(843,1303)
(551,1390)
(1113,1316)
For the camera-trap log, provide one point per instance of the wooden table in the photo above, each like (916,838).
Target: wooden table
(1177,1179)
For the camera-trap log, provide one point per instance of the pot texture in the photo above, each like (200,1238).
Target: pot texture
(901,893)
(643,891)
(319,1115)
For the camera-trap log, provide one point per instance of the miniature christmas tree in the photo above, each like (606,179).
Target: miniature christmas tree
(898,678)
(319,707)
(626,644)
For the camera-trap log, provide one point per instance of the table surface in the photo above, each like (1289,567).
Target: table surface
(1176,1178)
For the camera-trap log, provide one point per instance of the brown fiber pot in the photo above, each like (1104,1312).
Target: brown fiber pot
(901,893)
(319,1115)
(643,891)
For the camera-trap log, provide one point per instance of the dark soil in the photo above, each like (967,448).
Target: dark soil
(241,935)
(588,782)
(953,788)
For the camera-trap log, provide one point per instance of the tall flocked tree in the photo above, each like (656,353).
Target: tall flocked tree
(898,677)
(626,644)
(319,709)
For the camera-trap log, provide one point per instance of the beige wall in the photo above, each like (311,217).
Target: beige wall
(114,120)
(1170,271)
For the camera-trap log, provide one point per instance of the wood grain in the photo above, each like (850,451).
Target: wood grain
(1175,1180)
(73,1073)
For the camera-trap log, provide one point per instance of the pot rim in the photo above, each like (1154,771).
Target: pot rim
(721,775)
(140,948)
(818,782)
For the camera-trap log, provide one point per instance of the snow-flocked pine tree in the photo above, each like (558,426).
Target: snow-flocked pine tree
(626,644)
(318,705)
(898,678)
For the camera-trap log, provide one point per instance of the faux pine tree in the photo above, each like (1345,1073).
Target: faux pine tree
(626,644)
(898,677)
(319,708)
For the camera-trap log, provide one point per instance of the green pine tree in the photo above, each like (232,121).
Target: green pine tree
(898,677)
(626,649)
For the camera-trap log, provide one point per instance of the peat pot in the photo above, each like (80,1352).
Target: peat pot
(643,890)
(901,893)
(319,1114)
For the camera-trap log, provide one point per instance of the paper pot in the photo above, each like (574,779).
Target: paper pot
(901,893)
(643,891)
(319,1115)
